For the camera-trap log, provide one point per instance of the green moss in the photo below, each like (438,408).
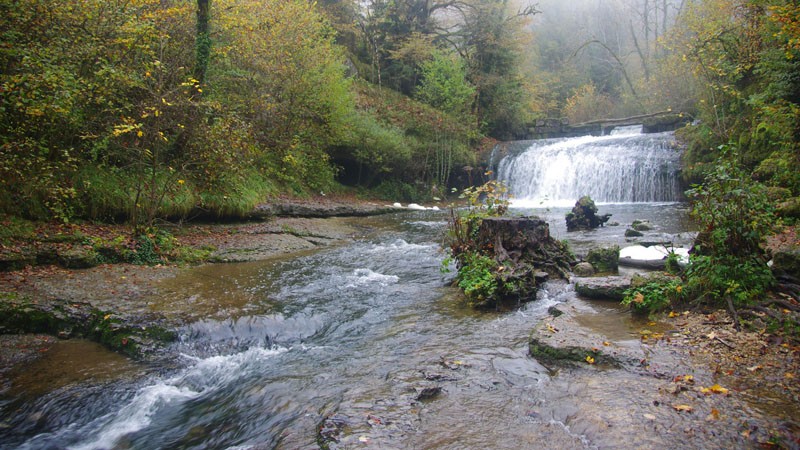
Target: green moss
(22,315)
(604,260)
(546,353)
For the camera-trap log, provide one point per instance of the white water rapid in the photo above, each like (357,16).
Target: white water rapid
(624,167)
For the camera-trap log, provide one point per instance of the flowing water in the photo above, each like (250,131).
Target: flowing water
(361,344)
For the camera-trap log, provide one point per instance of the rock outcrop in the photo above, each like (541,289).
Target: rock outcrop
(584,216)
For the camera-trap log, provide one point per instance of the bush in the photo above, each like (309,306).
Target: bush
(734,215)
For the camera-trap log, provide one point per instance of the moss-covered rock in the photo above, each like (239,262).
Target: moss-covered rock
(76,319)
(549,354)
(786,263)
(16,260)
(604,260)
(630,232)
(790,208)
(78,257)
(584,215)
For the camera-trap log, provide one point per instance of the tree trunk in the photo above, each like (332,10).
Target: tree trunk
(202,40)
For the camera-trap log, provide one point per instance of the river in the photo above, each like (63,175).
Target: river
(351,338)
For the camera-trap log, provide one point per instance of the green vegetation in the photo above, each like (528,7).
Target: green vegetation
(479,274)
(654,296)
(735,216)
(149,110)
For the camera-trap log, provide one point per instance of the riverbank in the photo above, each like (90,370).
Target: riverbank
(685,379)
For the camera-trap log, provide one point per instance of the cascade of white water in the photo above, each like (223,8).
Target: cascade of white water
(622,168)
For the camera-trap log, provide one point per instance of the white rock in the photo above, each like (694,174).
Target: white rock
(416,207)
(397,205)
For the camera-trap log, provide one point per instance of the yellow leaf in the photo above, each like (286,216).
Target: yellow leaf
(606,343)
(589,359)
(685,408)
(107,316)
(673,314)
(788,376)
(139,133)
(716,389)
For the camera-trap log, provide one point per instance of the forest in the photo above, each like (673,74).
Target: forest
(141,110)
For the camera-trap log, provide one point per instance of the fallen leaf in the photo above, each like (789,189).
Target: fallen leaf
(685,408)
(673,314)
(788,375)
(715,389)
(711,335)
(754,368)
(589,359)
(714,415)
(606,343)
(650,417)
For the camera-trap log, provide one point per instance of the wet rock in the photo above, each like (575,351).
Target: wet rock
(549,354)
(428,393)
(17,260)
(604,260)
(555,312)
(319,209)
(67,319)
(331,430)
(78,257)
(641,225)
(584,216)
(583,269)
(633,233)
(603,288)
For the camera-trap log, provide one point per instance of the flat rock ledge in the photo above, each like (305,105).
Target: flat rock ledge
(602,288)
(317,209)
(137,337)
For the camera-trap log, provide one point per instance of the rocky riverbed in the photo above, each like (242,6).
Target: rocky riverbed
(685,379)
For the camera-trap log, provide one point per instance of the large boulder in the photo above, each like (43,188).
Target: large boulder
(584,216)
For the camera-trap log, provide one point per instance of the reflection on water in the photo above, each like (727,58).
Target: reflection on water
(71,362)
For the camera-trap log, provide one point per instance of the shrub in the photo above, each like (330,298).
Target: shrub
(734,215)
(654,296)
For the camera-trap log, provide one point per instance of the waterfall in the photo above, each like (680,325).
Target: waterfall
(624,167)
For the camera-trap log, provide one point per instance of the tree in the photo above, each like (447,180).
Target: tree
(444,85)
